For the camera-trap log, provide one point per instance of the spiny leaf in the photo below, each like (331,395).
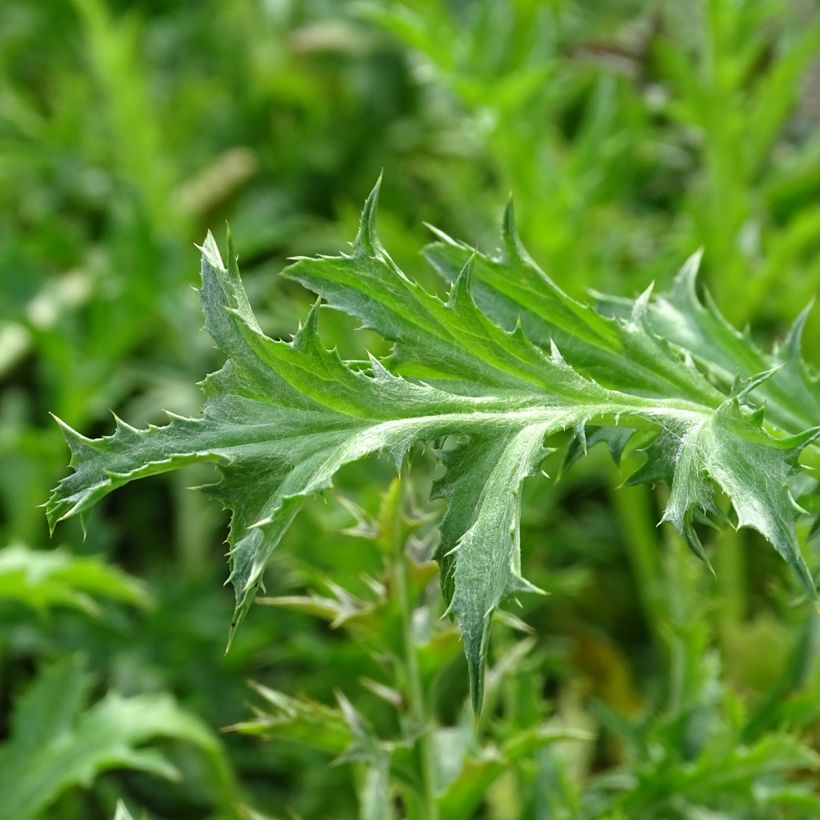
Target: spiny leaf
(792,394)
(298,719)
(487,376)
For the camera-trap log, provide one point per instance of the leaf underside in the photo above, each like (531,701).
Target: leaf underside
(505,362)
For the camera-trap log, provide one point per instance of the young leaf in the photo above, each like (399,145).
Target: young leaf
(505,362)
(56,743)
(43,580)
(299,720)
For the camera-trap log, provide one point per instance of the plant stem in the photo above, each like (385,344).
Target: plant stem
(392,527)
(731,575)
(634,508)
(415,690)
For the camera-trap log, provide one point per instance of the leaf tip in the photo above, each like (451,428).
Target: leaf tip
(793,341)
(460,289)
(210,252)
(367,242)
(308,333)
(641,305)
(512,244)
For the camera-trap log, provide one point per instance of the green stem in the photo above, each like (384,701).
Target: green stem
(392,527)
(634,508)
(731,577)
(688,634)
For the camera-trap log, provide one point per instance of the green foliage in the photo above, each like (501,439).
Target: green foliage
(702,752)
(42,580)
(434,770)
(282,418)
(57,743)
(630,134)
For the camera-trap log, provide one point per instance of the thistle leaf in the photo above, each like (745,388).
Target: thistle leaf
(492,371)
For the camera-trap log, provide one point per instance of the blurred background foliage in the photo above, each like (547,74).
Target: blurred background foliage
(630,133)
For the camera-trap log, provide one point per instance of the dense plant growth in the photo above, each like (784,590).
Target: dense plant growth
(642,685)
(282,418)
